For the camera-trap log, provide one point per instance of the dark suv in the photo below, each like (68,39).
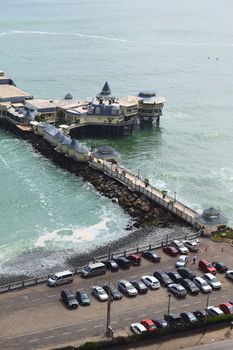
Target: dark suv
(186,272)
(163,278)
(114,292)
(69,299)
(122,262)
(174,320)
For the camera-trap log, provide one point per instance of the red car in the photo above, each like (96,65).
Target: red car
(170,250)
(149,325)
(227,308)
(206,266)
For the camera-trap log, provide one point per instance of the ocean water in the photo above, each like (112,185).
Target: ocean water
(182,49)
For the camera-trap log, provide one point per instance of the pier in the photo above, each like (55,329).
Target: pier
(139,185)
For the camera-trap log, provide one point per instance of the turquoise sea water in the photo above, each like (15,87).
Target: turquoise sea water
(183,49)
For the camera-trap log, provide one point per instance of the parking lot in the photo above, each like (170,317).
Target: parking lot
(35,316)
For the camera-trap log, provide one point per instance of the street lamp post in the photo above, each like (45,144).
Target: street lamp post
(108,324)
(175,196)
(169,303)
(205,320)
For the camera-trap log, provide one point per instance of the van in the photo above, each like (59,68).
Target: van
(94,269)
(60,278)
(206,266)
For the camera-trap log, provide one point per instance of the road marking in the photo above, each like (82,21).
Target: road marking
(172,308)
(184,305)
(81,330)
(33,340)
(169,267)
(65,333)
(226,296)
(36,299)
(213,298)
(216,256)
(50,336)
(114,322)
(157,312)
(128,319)
(142,315)
(197,302)
(132,277)
(98,325)
(52,295)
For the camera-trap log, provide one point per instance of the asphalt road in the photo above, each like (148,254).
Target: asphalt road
(35,317)
(223,345)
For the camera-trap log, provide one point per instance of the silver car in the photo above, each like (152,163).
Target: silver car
(127,288)
(202,285)
(179,246)
(229,275)
(212,281)
(99,293)
(182,261)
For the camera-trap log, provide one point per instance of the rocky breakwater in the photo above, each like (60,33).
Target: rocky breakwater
(141,209)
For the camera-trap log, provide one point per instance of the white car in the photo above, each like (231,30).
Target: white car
(99,293)
(182,261)
(151,282)
(229,274)
(212,281)
(127,288)
(202,285)
(179,246)
(138,328)
(214,311)
(191,245)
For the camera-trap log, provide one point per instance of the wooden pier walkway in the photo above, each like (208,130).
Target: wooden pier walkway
(139,185)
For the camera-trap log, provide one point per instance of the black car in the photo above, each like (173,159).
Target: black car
(188,317)
(69,299)
(175,276)
(114,292)
(174,320)
(163,278)
(111,265)
(160,324)
(200,314)
(220,266)
(140,286)
(123,262)
(186,272)
(190,286)
(83,297)
(151,256)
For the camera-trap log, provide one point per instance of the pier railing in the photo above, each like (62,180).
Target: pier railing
(139,185)
(76,270)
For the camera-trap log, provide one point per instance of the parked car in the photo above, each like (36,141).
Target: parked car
(180,246)
(189,286)
(149,325)
(186,272)
(151,282)
(93,269)
(111,265)
(140,286)
(135,259)
(82,297)
(229,274)
(175,276)
(202,285)
(150,255)
(200,314)
(188,317)
(206,266)
(227,308)
(127,288)
(214,311)
(60,278)
(212,281)
(122,262)
(191,245)
(177,289)
(220,266)
(170,250)
(160,324)
(114,292)
(99,293)
(137,328)
(182,261)
(163,278)
(174,320)
(69,299)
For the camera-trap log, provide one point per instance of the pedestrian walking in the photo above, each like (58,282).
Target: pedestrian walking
(194,259)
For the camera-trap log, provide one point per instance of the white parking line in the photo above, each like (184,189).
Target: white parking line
(157,312)
(113,322)
(197,302)
(213,298)
(169,267)
(36,299)
(142,315)
(65,333)
(98,325)
(133,277)
(184,305)
(50,336)
(33,340)
(52,295)
(226,296)
(128,319)
(216,256)
(81,330)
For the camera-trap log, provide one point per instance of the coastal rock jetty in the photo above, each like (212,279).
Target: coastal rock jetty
(141,209)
